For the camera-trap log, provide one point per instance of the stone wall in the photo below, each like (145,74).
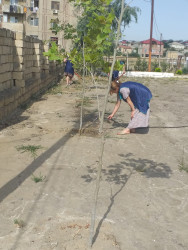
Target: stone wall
(24,71)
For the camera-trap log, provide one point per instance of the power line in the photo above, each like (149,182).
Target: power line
(156,26)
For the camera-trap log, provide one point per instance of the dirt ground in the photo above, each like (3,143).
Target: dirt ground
(143,197)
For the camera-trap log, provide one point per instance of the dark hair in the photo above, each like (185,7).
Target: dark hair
(115,84)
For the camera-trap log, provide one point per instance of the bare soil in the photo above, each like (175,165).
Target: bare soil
(143,197)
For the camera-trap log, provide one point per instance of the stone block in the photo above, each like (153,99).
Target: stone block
(19,43)
(11,34)
(20,83)
(36,45)
(18,67)
(19,51)
(19,36)
(2,116)
(18,59)
(9,41)
(7,84)
(2,100)
(3,32)
(36,69)
(5,77)
(17,75)
(5,50)
(9,97)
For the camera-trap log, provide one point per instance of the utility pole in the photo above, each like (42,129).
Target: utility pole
(151,31)
(160,51)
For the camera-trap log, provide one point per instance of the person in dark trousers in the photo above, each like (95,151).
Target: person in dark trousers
(115,74)
(138,98)
(68,71)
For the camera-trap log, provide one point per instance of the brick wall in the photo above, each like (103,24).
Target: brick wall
(24,71)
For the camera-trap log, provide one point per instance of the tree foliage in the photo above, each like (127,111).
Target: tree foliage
(96,29)
(129,15)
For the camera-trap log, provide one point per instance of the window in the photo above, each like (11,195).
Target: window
(5,18)
(13,2)
(34,21)
(13,19)
(34,3)
(55,5)
(54,23)
(54,39)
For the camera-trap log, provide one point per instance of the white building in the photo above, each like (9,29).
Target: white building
(176,45)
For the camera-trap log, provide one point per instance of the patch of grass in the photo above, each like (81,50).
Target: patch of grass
(34,97)
(29,148)
(87,102)
(181,165)
(39,178)
(19,223)
(59,115)
(56,89)
(24,106)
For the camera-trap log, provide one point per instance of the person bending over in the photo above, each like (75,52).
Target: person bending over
(138,98)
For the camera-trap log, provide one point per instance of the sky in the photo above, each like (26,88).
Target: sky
(170,20)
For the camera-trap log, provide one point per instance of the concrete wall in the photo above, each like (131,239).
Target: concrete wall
(24,71)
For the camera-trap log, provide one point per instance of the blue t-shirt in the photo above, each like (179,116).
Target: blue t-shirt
(140,95)
(69,67)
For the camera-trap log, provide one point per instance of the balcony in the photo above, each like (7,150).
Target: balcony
(8,8)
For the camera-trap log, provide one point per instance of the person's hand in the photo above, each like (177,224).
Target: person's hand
(132,114)
(110,117)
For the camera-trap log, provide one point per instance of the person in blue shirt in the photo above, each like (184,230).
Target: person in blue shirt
(68,71)
(138,98)
(115,74)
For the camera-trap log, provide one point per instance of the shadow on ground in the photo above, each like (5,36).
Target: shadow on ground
(120,173)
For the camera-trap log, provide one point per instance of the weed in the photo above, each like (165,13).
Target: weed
(29,148)
(59,115)
(34,97)
(39,178)
(182,165)
(87,102)
(19,223)
(56,89)
(24,106)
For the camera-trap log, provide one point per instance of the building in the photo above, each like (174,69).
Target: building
(12,14)
(124,49)
(185,43)
(37,17)
(177,45)
(173,54)
(157,48)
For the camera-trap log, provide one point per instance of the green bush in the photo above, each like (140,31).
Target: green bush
(164,66)
(179,72)
(185,71)
(141,65)
(154,65)
(157,70)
